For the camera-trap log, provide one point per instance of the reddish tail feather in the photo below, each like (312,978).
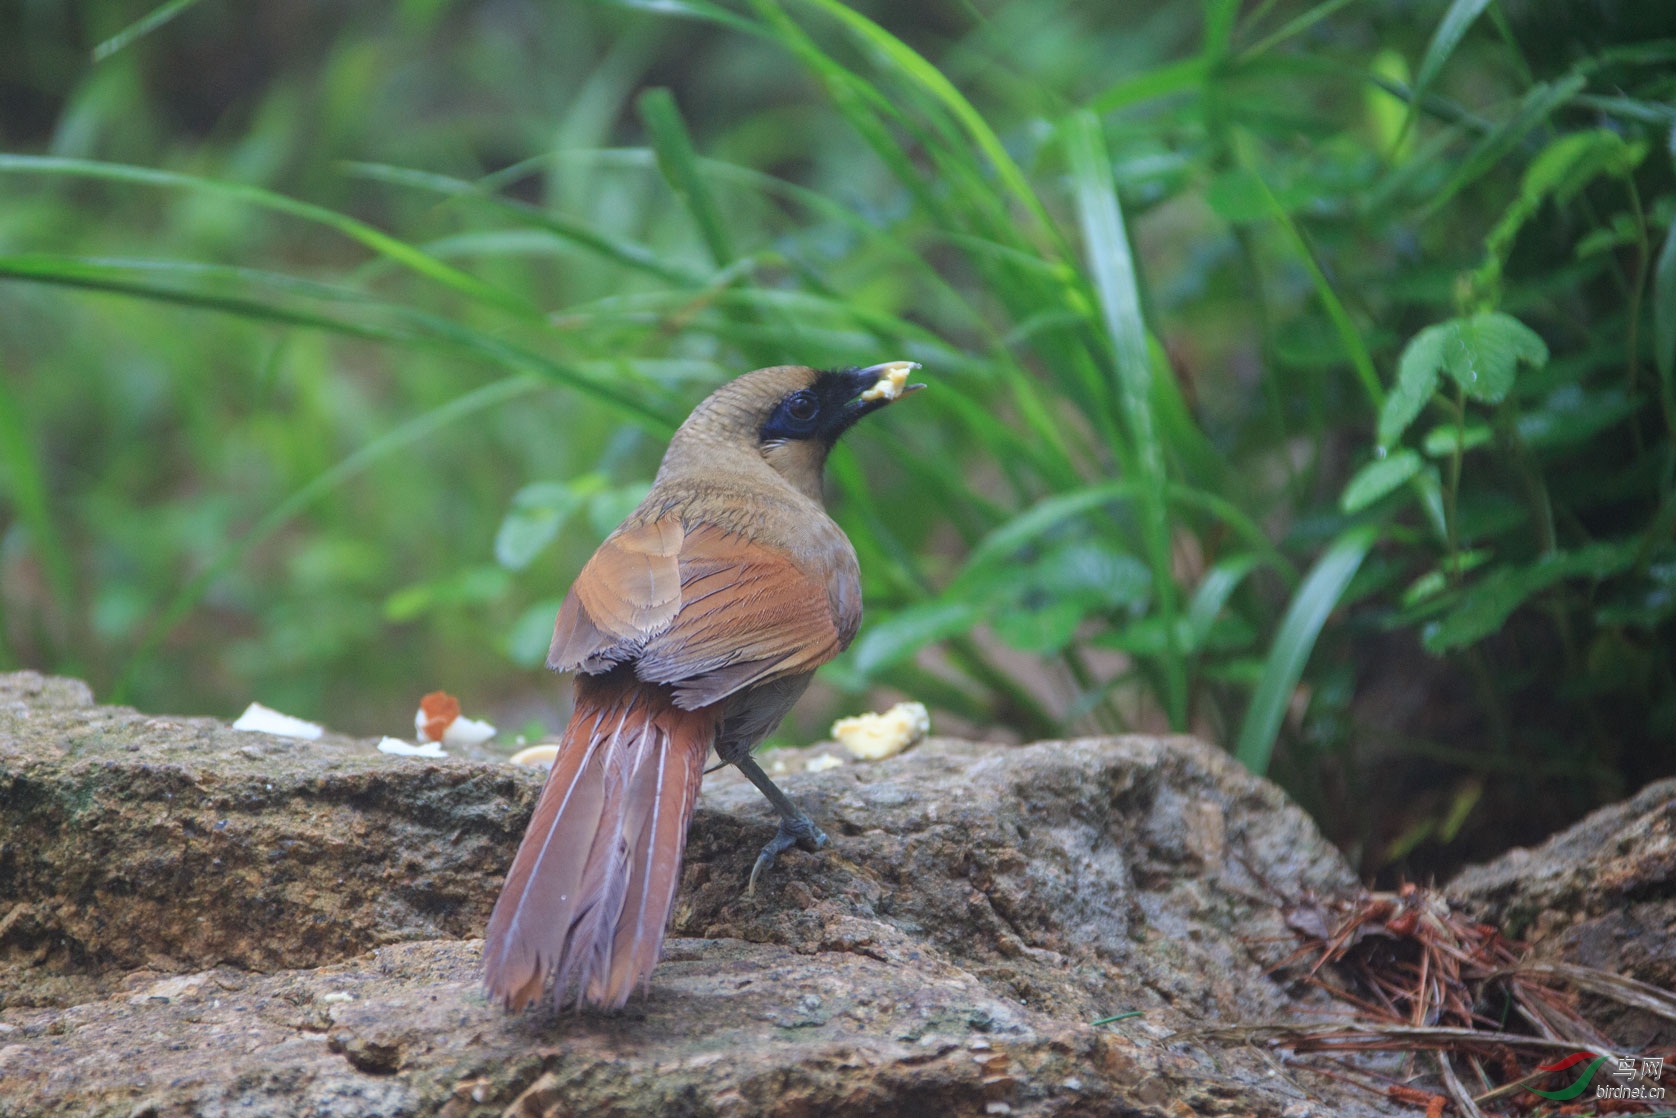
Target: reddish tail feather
(589,893)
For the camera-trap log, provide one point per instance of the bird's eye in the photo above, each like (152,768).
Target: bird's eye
(802,406)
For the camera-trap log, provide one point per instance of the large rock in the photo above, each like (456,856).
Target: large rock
(1600,894)
(199,921)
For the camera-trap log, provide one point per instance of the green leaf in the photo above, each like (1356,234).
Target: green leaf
(1042,630)
(528,639)
(1540,102)
(1435,581)
(1620,231)
(1378,478)
(1293,27)
(1043,518)
(1574,160)
(539,510)
(405,325)
(1646,603)
(1664,314)
(1485,606)
(1480,353)
(1417,371)
(1314,602)
(1241,671)
(472,586)
(586,235)
(611,507)
(1562,169)
(1441,441)
(1091,574)
(1146,637)
(1429,488)
(1236,197)
(694,10)
(907,631)
(1570,415)
(1428,585)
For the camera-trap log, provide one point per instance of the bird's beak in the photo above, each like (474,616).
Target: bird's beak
(889,382)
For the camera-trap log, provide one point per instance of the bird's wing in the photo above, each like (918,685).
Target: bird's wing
(704,610)
(628,591)
(748,613)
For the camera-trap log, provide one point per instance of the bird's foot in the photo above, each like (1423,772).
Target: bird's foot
(800,832)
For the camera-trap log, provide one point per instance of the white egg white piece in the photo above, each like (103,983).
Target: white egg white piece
(265,720)
(407,749)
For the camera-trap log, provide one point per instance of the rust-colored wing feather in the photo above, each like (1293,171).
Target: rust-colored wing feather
(630,589)
(748,614)
(704,610)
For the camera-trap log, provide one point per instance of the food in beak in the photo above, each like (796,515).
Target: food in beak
(893,378)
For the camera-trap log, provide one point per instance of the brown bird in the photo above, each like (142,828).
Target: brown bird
(697,623)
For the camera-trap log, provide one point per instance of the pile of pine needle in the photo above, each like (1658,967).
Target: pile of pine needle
(1424,980)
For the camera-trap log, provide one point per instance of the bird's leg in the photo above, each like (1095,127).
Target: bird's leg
(796,828)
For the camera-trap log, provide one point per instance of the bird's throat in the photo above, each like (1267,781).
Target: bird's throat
(802,462)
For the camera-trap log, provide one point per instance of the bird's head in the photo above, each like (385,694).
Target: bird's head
(791,415)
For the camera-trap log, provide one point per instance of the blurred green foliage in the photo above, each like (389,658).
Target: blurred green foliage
(1302,372)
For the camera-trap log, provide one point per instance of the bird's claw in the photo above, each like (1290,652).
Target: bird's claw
(801,833)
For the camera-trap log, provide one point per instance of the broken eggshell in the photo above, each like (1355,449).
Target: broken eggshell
(438,719)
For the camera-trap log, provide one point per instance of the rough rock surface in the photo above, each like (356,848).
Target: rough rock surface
(1600,894)
(199,921)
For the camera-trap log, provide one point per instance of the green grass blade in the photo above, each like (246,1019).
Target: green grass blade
(692,9)
(141,27)
(378,241)
(1491,151)
(24,482)
(1112,266)
(1176,77)
(118,277)
(1230,514)
(1664,327)
(679,163)
(1215,588)
(914,67)
(617,249)
(1293,27)
(1305,617)
(1349,337)
(415,430)
(1044,517)
(1450,30)
(1220,17)
(402,325)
